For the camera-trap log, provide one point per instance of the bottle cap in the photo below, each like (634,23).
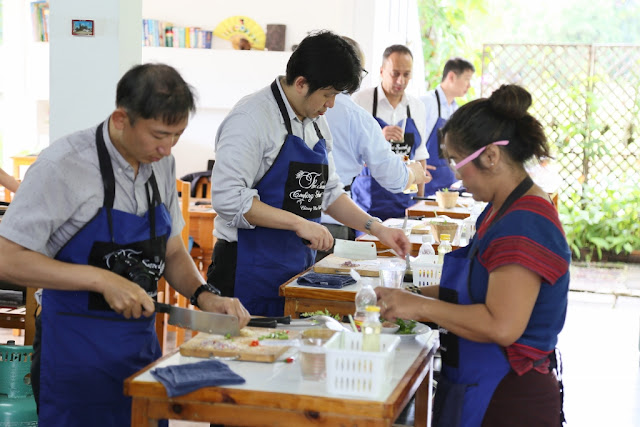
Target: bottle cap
(445,237)
(427,238)
(373,308)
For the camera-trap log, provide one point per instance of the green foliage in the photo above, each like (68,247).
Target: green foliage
(446,34)
(603,220)
(320,313)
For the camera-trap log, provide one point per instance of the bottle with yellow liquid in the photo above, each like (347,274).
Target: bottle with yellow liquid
(444,247)
(371,329)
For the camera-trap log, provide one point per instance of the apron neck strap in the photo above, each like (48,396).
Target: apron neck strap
(109,183)
(517,192)
(282,107)
(375,102)
(315,126)
(438,101)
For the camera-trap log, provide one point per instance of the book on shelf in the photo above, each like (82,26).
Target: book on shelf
(40,20)
(161,33)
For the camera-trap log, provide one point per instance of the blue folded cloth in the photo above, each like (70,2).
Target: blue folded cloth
(332,281)
(183,379)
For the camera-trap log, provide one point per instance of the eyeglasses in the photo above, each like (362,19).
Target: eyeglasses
(457,165)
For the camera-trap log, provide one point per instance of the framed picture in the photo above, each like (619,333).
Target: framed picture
(81,27)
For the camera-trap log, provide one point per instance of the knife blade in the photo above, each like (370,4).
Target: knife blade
(212,323)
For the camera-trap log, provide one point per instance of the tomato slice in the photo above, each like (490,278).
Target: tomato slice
(254,343)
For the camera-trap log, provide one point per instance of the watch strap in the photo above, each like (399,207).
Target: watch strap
(205,287)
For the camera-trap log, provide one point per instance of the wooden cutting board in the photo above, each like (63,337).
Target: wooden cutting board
(211,345)
(336,265)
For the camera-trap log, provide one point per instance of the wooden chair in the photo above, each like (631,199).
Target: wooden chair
(166,293)
(21,317)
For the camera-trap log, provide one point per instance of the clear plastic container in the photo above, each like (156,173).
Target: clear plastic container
(371,329)
(364,297)
(427,245)
(444,247)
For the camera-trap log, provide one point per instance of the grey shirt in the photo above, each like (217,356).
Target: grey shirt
(63,190)
(247,143)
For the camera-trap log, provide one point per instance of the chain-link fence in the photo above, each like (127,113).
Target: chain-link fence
(586,96)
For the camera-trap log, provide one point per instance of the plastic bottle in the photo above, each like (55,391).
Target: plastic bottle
(444,247)
(371,329)
(365,296)
(427,245)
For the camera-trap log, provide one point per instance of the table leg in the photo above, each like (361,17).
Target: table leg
(424,399)
(139,408)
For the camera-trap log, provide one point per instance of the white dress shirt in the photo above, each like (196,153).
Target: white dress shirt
(431,106)
(392,116)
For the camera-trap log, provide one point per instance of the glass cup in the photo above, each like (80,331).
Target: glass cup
(312,359)
(392,273)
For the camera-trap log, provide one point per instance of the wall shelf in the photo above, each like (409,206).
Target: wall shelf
(221,77)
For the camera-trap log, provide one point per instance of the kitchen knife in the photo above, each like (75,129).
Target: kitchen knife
(212,323)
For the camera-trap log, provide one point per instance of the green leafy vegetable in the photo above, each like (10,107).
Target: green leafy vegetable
(406,326)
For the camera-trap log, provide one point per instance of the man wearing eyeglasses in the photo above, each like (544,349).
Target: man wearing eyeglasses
(440,105)
(359,142)
(402,119)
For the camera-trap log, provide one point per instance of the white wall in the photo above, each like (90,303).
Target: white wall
(222,76)
(84,71)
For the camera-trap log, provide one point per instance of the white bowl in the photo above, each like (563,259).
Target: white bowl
(390,329)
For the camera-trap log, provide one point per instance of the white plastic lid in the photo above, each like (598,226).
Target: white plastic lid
(427,238)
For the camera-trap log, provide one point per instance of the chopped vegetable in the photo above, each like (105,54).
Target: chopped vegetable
(254,343)
(289,360)
(227,336)
(320,313)
(277,335)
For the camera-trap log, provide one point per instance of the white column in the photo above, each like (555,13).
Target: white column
(84,71)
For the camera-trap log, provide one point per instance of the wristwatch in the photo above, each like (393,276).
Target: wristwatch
(205,287)
(367,226)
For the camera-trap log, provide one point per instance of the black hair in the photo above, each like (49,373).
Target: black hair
(458,66)
(325,60)
(155,91)
(396,48)
(501,116)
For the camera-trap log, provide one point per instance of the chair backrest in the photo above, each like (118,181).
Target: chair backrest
(184,189)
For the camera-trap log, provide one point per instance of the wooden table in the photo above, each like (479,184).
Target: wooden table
(430,209)
(201,229)
(415,239)
(302,299)
(275,394)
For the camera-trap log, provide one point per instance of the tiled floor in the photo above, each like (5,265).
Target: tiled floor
(600,351)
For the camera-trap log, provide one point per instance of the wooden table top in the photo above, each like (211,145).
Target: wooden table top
(275,393)
(430,209)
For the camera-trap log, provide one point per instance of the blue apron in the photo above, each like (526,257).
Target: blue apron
(471,371)
(367,193)
(442,176)
(269,257)
(88,349)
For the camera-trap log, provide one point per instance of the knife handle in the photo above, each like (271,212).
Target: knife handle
(162,308)
(305,241)
(263,323)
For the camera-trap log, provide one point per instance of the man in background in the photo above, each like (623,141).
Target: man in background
(402,119)
(440,104)
(359,142)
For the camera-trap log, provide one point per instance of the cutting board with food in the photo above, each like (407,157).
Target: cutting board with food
(253,344)
(336,265)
